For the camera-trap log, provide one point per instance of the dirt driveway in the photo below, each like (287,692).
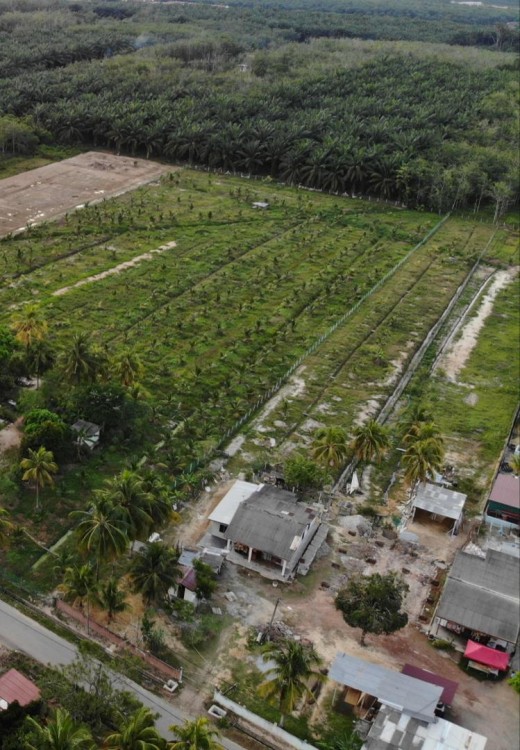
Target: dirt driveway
(48,192)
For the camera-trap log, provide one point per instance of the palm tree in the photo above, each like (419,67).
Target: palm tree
(371,441)
(329,446)
(423,430)
(29,325)
(39,466)
(80,363)
(60,733)
(154,570)
(101,530)
(195,735)
(421,459)
(111,598)
(39,357)
(128,368)
(515,464)
(5,527)
(133,503)
(79,584)
(294,665)
(137,733)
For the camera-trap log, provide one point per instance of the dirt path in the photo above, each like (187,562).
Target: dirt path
(457,355)
(116,269)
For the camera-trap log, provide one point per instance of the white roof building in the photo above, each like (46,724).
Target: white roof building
(228,506)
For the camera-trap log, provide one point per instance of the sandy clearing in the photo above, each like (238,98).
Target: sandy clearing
(457,355)
(115,269)
(51,191)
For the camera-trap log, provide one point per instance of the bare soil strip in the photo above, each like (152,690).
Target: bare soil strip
(456,357)
(115,269)
(51,191)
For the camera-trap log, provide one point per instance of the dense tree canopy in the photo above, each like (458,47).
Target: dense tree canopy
(186,85)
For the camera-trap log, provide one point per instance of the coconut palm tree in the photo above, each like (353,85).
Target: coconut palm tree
(329,446)
(79,585)
(154,570)
(132,502)
(60,733)
(101,530)
(195,735)
(137,733)
(40,357)
(111,598)
(29,325)
(80,362)
(5,528)
(38,467)
(370,442)
(421,459)
(127,368)
(294,666)
(423,430)
(515,464)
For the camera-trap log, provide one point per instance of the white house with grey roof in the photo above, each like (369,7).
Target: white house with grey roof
(271,532)
(481,601)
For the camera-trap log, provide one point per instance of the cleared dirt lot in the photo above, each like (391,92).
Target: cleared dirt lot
(50,191)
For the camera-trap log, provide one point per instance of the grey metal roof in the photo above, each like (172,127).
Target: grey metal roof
(439,500)
(483,594)
(270,520)
(407,694)
(89,429)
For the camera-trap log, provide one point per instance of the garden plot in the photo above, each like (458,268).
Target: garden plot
(44,193)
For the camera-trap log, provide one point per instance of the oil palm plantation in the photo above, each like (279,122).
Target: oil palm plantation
(295,665)
(329,446)
(195,735)
(29,325)
(60,733)
(371,441)
(153,571)
(137,733)
(38,468)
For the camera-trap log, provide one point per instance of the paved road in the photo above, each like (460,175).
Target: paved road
(19,632)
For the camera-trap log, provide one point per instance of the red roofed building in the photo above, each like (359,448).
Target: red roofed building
(503,507)
(492,659)
(14,686)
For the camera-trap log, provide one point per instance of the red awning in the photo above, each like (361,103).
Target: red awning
(488,656)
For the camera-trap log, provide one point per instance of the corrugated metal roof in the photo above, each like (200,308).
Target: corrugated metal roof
(413,697)
(483,594)
(227,507)
(14,686)
(270,520)
(392,730)
(439,500)
(449,688)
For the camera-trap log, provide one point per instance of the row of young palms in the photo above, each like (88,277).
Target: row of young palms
(79,362)
(62,732)
(423,451)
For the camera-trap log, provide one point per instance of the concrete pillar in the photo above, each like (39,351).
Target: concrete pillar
(250,554)
(284,566)
(228,544)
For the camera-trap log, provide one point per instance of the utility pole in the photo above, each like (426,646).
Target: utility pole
(268,630)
